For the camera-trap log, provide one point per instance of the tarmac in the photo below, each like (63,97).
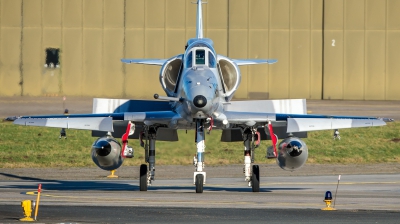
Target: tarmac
(358,199)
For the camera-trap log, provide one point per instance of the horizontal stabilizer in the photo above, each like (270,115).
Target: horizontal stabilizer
(314,124)
(144,61)
(87,123)
(248,118)
(103,105)
(240,62)
(291,106)
(163,117)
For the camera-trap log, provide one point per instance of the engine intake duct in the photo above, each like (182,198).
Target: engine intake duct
(169,74)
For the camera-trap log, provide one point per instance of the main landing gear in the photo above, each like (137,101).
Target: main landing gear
(251,172)
(148,142)
(149,145)
(251,140)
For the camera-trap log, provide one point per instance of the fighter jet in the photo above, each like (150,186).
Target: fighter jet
(199,86)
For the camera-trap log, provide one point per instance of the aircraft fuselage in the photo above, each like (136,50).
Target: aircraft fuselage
(200,86)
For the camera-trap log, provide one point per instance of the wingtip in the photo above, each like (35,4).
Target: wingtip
(385,119)
(272,61)
(126,61)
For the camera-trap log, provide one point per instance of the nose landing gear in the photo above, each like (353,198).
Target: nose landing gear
(199,176)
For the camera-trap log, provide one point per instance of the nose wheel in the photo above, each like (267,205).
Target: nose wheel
(143,177)
(199,183)
(255,179)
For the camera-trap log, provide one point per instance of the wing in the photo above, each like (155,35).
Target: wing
(292,114)
(97,122)
(302,122)
(240,62)
(311,122)
(159,62)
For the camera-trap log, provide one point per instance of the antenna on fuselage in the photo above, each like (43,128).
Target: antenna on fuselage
(199,19)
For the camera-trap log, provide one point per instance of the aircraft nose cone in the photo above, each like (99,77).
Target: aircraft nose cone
(200,101)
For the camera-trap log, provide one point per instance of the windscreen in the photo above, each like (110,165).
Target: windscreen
(200,57)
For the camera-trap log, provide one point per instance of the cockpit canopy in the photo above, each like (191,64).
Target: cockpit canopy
(200,54)
(200,57)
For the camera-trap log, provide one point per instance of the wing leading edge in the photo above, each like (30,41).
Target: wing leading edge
(317,124)
(96,122)
(88,123)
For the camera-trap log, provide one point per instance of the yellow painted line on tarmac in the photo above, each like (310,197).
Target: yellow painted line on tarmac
(302,183)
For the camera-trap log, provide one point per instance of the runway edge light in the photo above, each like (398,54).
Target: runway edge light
(328,201)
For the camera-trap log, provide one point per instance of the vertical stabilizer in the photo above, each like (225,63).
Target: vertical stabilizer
(199,20)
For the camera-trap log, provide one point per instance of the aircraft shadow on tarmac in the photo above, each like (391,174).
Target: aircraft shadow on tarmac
(119,185)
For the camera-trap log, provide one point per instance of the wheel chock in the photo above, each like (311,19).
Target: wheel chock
(27,206)
(112,175)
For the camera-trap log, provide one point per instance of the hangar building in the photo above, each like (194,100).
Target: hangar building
(327,49)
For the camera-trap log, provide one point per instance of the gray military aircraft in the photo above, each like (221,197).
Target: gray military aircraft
(199,85)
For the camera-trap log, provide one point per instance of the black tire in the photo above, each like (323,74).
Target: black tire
(199,183)
(143,177)
(255,179)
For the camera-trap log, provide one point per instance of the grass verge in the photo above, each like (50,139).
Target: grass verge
(26,147)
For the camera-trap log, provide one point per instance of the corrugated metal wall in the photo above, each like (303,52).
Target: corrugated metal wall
(362,49)
(331,49)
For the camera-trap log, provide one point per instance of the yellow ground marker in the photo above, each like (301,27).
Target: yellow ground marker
(27,210)
(112,175)
(27,206)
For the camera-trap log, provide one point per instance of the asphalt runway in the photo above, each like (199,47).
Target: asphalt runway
(359,199)
(362,197)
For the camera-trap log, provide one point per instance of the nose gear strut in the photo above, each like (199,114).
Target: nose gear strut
(199,176)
